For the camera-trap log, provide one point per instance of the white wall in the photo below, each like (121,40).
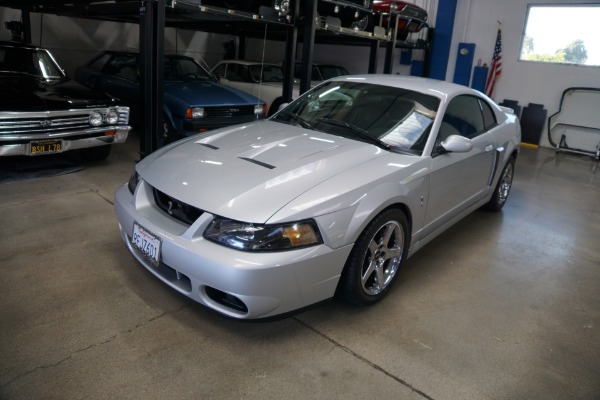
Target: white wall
(526,82)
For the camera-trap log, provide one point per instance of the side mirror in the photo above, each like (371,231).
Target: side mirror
(457,144)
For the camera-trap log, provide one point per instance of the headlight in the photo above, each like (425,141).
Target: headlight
(194,112)
(95,118)
(134,179)
(255,237)
(260,109)
(112,117)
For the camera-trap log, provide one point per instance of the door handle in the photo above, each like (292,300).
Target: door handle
(489,148)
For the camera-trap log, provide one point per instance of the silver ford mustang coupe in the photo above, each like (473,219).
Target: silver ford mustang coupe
(330,195)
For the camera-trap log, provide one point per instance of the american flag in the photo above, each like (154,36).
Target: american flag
(496,68)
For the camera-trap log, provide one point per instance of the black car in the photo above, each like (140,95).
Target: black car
(42,111)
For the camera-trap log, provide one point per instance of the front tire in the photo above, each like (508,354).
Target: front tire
(503,187)
(378,254)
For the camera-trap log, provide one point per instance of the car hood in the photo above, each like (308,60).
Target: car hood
(249,172)
(28,93)
(201,93)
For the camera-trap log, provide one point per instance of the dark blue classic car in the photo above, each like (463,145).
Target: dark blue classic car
(194,100)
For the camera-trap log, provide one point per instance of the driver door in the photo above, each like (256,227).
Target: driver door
(458,180)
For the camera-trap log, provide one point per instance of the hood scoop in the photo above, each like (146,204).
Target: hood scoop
(210,146)
(262,164)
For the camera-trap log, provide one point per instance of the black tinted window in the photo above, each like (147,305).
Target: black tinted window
(489,118)
(463,117)
(99,63)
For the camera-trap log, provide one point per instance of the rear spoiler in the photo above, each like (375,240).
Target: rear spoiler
(507,110)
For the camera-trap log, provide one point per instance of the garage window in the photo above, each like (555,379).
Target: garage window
(562,34)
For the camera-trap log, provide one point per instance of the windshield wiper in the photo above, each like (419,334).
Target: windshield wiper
(304,123)
(358,130)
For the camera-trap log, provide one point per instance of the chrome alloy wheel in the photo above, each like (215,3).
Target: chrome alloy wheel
(505,183)
(382,258)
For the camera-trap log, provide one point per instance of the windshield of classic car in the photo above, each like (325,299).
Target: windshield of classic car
(177,69)
(270,73)
(30,62)
(399,118)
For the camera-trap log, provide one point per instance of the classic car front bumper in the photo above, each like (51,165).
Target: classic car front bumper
(43,132)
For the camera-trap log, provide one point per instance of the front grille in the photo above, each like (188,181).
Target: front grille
(229,111)
(179,210)
(53,122)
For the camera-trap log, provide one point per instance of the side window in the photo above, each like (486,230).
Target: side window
(235,72)
(489,118)
(220,70)
(123,66)
(463,117)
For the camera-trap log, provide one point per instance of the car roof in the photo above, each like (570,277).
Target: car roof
(434,87)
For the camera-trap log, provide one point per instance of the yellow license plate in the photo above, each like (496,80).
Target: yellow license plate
(45,147)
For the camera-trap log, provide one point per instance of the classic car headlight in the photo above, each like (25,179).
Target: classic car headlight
(112,117)
(194,112)
(260,109)
(256,237)
(95,118)
(134,179)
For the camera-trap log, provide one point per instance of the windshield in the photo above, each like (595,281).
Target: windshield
(398,118)
(185,69)
(29,61)
(270,73)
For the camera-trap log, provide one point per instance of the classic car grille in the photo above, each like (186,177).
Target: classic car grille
(175,208)
(55,122)
(224,112)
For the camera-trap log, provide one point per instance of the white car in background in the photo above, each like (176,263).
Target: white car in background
(330,195)
(264,81)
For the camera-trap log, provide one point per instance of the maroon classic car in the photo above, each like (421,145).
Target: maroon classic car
(412,18)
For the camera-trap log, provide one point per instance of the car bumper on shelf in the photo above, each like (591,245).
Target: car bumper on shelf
(243,285)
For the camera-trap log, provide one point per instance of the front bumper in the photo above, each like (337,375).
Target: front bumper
(238,284)
(64,129)
(79,141)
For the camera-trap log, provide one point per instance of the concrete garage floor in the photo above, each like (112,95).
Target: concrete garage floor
(501,306)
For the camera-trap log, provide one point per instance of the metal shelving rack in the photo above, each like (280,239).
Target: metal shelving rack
(154,15)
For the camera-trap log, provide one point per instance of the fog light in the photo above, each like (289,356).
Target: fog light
(95,118)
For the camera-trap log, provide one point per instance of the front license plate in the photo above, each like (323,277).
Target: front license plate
(147,243)
(45,147)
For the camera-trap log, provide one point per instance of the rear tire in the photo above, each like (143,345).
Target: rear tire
(96,153)
(375,259)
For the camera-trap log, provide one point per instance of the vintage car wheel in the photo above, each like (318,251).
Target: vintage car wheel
(364,23)
(502,189)
(282,7)
(96,153)
(374,261)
